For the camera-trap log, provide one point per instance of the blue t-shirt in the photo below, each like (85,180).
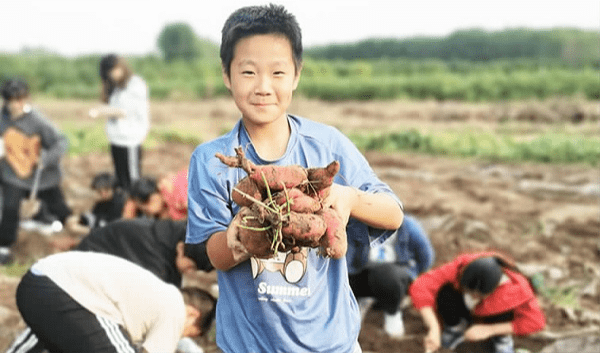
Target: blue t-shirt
(294,302)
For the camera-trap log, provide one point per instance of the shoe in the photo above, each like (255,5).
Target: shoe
(393,324)
(503,344)
(452,336)
(6,256)
(45,229)
(28,224)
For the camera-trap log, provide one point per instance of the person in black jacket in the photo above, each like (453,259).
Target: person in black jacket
(110,201)
(156,245)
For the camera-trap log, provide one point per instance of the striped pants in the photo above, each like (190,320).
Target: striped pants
(60,324)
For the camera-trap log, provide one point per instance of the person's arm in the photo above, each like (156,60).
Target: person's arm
(225,250)
(480,332)
(219,254)
(54,143)
(419,244)
(432,341)
(106,111)
(377,210)
(133,103)
(197,252)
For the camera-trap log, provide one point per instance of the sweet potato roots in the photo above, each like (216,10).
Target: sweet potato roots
(281,208)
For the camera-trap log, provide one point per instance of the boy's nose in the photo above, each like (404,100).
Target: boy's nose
(263,86)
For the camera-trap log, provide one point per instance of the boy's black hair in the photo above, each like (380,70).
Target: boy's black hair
(482,275)
(14,89)
(204,302)
(142,188)
(251,20)
(104,181)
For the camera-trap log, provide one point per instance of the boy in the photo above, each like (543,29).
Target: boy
(92,302)
(110,201)
(164,199)
(384,273)
(261,311)
(31,132)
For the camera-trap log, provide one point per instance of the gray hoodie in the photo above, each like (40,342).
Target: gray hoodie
(53,146)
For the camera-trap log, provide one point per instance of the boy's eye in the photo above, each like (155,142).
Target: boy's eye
(247,72)
(278,73)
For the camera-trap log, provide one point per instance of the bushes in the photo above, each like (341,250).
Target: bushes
(331,80)
(546,148)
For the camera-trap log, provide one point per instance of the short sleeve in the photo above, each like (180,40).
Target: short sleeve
(209,208)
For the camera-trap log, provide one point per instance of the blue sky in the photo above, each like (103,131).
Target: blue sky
(74,27)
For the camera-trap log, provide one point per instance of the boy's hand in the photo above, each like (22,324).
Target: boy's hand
(342,199)
(432,341)
(233,241)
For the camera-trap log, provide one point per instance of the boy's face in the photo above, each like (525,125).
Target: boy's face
(16,106)
(153,206)
(262,78)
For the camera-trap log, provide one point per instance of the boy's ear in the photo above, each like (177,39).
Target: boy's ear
(226,79)
(297,77)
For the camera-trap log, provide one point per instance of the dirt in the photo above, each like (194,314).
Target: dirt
(546,216)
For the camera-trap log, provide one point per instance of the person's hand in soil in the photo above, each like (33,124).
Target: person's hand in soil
(433,340)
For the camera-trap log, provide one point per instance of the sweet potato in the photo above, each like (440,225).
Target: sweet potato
(254,235)
(298,201)
(276,177)
(279,177)
(334,243)
(246,187)
(306,228)
(320,179)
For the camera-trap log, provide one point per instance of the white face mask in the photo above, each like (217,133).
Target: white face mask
(470,301)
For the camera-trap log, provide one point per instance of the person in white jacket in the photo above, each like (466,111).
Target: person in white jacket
(126,108)
(85,301)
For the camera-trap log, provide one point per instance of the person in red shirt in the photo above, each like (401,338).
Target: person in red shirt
(478,297)
(165,199)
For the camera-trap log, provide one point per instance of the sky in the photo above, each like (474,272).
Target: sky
(131,27)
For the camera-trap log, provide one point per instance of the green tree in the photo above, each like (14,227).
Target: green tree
(178,41)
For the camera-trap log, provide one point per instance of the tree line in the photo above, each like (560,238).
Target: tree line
(574,46)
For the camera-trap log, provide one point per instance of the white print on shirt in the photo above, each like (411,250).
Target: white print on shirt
(386,252)
(292,266)
(282,291)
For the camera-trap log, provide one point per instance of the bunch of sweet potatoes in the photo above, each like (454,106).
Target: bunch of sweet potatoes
(281,208)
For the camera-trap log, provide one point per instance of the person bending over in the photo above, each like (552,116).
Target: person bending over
(480,298)
(80,301)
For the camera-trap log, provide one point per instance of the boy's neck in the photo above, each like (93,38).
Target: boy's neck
(270,140)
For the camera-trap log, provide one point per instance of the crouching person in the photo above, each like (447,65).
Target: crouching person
(383,274)
(93,302)
(480,299)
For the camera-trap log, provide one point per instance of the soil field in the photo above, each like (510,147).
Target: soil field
(546,216)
